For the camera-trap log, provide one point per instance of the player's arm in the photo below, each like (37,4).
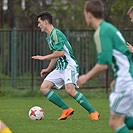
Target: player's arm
(58,47)
(112,84)
(104,58)
(52,64)
(49,68)
(98,68)
(54,55)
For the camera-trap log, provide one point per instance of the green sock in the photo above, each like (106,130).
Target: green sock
(122,129)
(129,122)
(55,98)
(79,97)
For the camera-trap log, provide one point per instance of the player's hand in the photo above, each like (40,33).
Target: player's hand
(130,47)
(82,80)
(38,57)
(112,84)
(44,72)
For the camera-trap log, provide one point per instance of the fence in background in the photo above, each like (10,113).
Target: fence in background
(18,70)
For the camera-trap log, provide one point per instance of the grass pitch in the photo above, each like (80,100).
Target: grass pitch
(14,112)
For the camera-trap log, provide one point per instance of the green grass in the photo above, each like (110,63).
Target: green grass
(14,112)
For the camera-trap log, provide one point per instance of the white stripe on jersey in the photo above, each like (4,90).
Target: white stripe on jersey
(71,62)
(124,79)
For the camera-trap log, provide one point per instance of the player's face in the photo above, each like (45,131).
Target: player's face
(87,17)
(42,24)
(131,16)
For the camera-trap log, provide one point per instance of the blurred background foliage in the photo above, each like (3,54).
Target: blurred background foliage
(68,14)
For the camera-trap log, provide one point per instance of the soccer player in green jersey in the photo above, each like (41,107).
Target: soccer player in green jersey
(65,72)
(112,50)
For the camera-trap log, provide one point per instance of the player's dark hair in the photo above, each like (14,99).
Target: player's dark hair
(95,7)
(45,15)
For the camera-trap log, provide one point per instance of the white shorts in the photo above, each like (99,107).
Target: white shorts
(63,77)
(121,103)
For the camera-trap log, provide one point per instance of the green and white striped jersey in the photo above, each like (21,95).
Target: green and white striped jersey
(112,50)
(58,41)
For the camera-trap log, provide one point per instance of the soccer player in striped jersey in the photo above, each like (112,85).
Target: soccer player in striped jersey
(112,50)
(65,72)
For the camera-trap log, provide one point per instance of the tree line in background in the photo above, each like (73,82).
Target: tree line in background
(67,14)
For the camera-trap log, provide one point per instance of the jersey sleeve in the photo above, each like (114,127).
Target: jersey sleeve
(58,42)
(104,49)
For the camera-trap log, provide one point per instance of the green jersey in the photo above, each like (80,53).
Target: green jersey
(112,50)
(58,41)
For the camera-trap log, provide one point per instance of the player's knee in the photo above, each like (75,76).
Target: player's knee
(70,89)
(116,121)
(44,89)
(112,125)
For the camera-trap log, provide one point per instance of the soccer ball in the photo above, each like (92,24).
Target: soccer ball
(36,113)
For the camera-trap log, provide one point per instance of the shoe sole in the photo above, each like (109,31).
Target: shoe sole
(67,115)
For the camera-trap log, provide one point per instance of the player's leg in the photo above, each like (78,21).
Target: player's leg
(70,78)
(117,124)
(80,98)
(121,111)
(129,119)
(54,79)
(51,95)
